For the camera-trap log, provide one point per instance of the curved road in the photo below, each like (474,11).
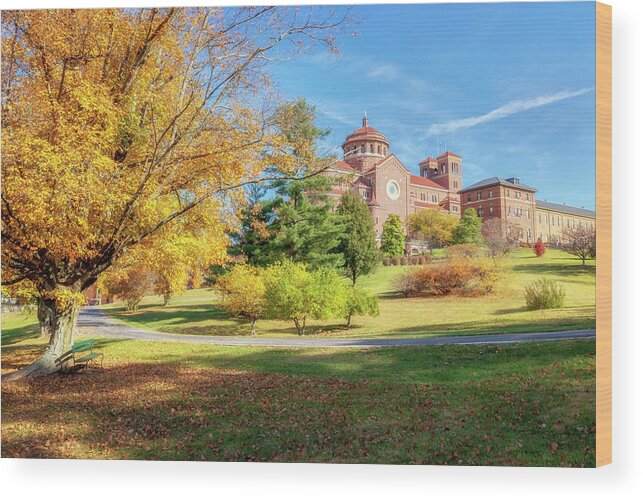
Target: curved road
(92,321)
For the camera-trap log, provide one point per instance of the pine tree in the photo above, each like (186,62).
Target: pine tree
(392,242)
(469,230)
(357,244)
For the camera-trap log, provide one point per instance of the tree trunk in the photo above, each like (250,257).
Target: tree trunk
(348,320)
(45,318)
(64,316)
(253,327)
(166,298)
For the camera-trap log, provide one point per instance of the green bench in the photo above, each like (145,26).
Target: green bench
(79,357)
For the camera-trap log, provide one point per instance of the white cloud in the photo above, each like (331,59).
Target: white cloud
(503,111)
(384,72)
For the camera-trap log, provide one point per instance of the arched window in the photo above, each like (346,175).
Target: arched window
(363,148)
(379,149)
(372,148)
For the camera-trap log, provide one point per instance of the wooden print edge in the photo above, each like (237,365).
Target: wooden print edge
(603,234)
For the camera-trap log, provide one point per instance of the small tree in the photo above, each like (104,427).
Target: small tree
(360,302)
(580,241)
(468,230)
(358,242)
(131,284)
(433,227)
(294,293)
(243,293)
(539,248)
(392,242)
(495,234)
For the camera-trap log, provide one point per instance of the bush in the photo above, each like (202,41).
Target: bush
(462,276)
(404,260)
(386,262)
(539,248)
(543,294)
(464,251)
(395,260)
(425,259)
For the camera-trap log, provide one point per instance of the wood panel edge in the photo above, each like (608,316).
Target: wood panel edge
(603,234)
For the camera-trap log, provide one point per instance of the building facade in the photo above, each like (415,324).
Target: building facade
(370,168)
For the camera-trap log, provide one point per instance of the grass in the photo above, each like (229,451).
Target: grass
(530,404)
(504,311)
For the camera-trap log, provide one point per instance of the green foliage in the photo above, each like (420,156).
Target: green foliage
(243,293)
(469,229)
(544,294)
(358,301)
(433,227)
(297,294)
(357,244)
(299,223)
(392,241)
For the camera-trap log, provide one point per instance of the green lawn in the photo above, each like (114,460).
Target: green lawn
(530,404)
(504,311)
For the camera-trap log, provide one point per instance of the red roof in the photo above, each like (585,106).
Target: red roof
(415,179)
(365,133)
(343,165)
(426,205)
(450,154)
(427,160)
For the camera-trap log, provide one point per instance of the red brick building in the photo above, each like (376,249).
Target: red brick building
(370,168)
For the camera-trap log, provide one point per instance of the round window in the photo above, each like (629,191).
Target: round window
(393,189)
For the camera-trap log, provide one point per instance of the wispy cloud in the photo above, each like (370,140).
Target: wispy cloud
(503,111)
(384,72)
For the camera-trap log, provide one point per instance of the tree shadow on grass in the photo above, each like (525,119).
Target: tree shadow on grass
(15,335)
(556,269)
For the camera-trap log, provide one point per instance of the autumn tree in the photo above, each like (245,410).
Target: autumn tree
(130,284)
(392,241)
(119,123)
(580,241)
(357,243)
(497,238)
(243,293)
(432,227)
(468,230)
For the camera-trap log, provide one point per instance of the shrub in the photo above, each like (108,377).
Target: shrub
(543,294)
(386,262)
(539,248)
(395,260)
(404,260)
(359,302)
(464,251)
(425,259)
(463,276)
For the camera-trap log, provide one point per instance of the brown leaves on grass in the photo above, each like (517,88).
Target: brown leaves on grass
(165,412)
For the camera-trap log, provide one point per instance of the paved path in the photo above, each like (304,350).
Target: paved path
(93,321)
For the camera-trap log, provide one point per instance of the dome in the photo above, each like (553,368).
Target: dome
(365,142)
(366,134)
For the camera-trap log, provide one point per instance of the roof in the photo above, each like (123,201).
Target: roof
(366,133)
(497,181)
(417,180)
(424,204)
(445,153)
(344,166)
(572,210)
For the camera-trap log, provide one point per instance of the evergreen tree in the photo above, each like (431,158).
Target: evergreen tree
(392,242)
(469,229)
(357,244)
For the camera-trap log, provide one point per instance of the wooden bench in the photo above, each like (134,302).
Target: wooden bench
(80,356)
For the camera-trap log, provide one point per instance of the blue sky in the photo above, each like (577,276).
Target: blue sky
(509,87)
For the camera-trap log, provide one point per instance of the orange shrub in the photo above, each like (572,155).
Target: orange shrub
(462,276)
